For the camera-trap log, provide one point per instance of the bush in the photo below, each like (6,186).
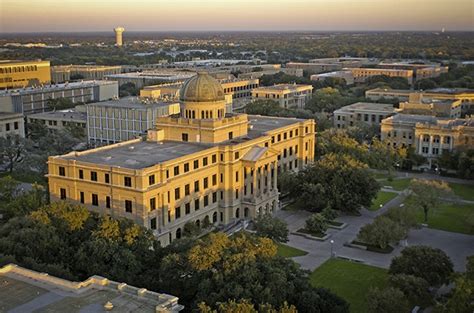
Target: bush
(270,227)
(190,229)
(389,300)
(381,232)
(316,224)
(329,214)
(415,289)
(431,264)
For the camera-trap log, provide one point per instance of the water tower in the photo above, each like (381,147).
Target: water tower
(118,36)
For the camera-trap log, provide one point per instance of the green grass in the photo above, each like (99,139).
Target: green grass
(289,252)
(465,192)
(453,217)
(397,184)
(349,280)
(382,198)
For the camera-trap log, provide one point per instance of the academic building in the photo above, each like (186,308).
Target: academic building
(18,74)
(65,73)
(367,113)
(287,95)
(204,166)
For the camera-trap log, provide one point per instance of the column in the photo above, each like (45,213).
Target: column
(420,144)
(451,143)
(275,169)
(430,145)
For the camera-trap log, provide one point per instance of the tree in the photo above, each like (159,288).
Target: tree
(60,104)
(245,306)
(389,300)
(426,194)
(271,227)
(329,214)
(316,224)
(431,264)
(12,150)
(403,216)
(381,232)
(415,289)
(190,229)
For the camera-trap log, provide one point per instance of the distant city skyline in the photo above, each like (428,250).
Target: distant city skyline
(214,15)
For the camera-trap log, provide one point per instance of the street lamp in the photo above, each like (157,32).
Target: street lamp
(332,250)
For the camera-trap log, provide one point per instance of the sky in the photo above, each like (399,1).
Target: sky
(226,15)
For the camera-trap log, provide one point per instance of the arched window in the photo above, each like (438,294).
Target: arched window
(214,217)
(246,212)
(178,233)
(198,223)
(237,213)
(202,114)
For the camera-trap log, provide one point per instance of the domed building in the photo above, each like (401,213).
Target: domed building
(205,166)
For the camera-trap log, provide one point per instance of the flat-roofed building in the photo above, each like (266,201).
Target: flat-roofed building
(362,112)
(258,74)
(416,104)
(25,290)
(59,120)
(399,130)
(314,68)
(345,61)
(63,73)
(35,100)
(362,74)
(124,119)
(12,124)
(420,70)
(142,79)
(18,74)
(204,166)
(287,95)
(346,75)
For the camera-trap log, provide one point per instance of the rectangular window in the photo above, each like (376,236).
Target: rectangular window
(214,179)
(236,156)
(127,181)
(15,125)
(176,194)
(62,171)
(62,193)
(214,158)
(176,170)
(81,174)
(236,193)
(152,204)
(187,208)
(81,194)
(94,176)
(95,200)
(128,206)
(196,204)
(204,161)
(184,137)
(177,212)
(107,178)
(237,176)
(196,164)
(107,202)
(7,127)
(222,178)
(214,197)
(206,183)
(206,201)
(186,167)
(222,157)
(231,135)
(186,190)
(153,223)
(151,180)
(196,186)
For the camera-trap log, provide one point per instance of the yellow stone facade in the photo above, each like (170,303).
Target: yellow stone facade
(19,74)
(190,169)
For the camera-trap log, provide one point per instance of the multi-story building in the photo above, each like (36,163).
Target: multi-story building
(362,74)
(59,120)
(18,74)
(205,166)
(298,72)
(416,104)
(315,68)
(287,95)
(420,70)
(362,112)
(63,73)
(142,79)
(34,100)
(346,75)
(12,124)
(123,119)
(346,61)
(428,135)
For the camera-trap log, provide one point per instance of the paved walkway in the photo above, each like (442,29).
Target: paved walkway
(457,246)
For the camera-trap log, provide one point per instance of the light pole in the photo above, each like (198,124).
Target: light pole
(332,249)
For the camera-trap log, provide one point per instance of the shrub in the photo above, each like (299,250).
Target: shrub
(389,300)
(329,214)
(270,227)
(316,224)
(381,232)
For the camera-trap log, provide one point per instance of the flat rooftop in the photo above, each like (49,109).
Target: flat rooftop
(61,115)
(10,115)
(368,106)
(56,87)
(412,118)
(142,154)
(132,102)
(281,87)
(162,74)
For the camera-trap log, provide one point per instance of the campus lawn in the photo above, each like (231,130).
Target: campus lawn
(289,252)
(349,280)
(465,192)
(382,198)
(453,217)
(397,184)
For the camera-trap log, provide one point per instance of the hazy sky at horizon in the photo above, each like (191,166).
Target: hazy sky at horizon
(221,15)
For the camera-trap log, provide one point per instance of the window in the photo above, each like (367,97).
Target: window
(62,171)
(81,174)
(196,204)
(236,156)
(231,135)
(151,180)
(236,193)
(7,127)
(107,202)
(184,137)
(177,212)
(107,178)
(296,132)
(128,206)
(306,129)
(284,136)
(186,167)
(214,179)
(222,157)
(196,164)
(186,190)
(206,183)
(127,181)
(94,176)
(62,193)
(15,125)
(222,178)
(196,186)
(206,201)
(176,170)
(81,194)
(214,158)
(153,223)
(214,197)
(152,204)
(176,194)
(237,176)
(95,199)
(279,137)
(204,161)
(169,216)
